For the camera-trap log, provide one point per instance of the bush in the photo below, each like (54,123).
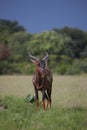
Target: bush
(5,67)
(62,68)
(74,68)
(16,68)
(83,65)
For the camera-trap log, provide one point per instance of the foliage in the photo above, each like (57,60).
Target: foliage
(10,26)
(18,46)
(30,98)
(63,45)
(4,50)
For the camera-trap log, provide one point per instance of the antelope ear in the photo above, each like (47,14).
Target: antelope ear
(35,61)
(32,60)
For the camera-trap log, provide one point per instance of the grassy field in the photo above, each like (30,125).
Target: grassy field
(68,91)
(69,104)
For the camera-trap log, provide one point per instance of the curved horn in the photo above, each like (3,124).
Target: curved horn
(46,57)
(33,57)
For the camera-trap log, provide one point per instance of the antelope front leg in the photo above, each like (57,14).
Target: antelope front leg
(37,99)
(43,99)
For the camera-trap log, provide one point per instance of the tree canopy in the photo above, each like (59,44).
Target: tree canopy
(67,48)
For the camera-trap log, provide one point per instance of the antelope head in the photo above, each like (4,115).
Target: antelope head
(41,64)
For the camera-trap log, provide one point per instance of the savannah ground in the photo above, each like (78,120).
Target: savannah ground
(69,104)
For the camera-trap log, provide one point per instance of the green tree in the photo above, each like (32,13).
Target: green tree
(10,26)
(18,44)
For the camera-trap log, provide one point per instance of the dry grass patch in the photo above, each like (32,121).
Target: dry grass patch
(68,91)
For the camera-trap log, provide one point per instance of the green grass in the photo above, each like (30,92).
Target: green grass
(69,104)
(23,116)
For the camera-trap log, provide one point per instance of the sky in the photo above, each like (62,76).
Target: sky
(42,15)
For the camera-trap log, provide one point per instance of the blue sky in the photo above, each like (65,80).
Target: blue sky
(41,15)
